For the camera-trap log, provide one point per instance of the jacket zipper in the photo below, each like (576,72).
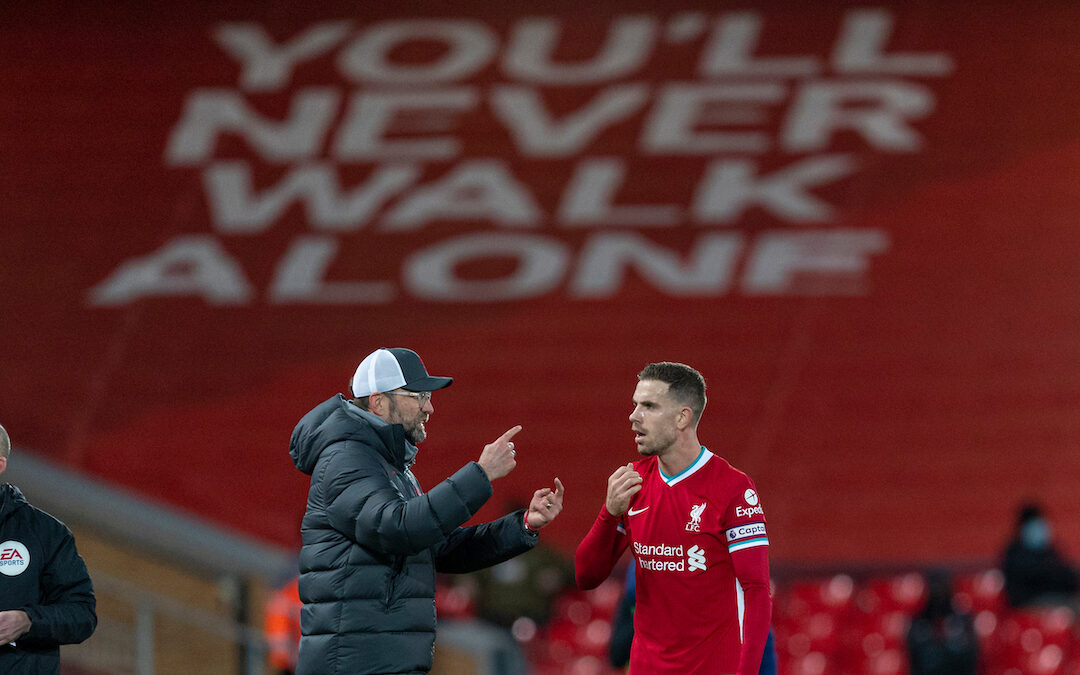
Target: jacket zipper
(398,565)
(399,562)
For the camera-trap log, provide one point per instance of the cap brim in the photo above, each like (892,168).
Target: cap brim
(428,383)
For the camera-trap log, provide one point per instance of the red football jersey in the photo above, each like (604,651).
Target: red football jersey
(700,546)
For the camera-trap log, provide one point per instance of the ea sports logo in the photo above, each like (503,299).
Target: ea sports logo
(14,558)
(750,496)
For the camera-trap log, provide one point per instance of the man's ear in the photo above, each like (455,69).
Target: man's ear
(377,404)
(3,464)
(684,418)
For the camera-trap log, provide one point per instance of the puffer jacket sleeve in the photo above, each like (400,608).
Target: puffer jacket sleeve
(67,613)
(366,506)
(468,549)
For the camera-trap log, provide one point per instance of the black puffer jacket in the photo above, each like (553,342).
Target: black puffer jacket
(373,540)
(42,574)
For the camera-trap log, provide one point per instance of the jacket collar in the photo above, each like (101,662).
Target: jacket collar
(11,498)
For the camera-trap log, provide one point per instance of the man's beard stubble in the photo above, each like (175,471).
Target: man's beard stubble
(657,445)
(414,429)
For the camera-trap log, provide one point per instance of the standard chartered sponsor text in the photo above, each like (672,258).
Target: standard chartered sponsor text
(658,550)
(648,557)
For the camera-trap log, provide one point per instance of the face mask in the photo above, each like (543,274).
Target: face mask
(1035,534)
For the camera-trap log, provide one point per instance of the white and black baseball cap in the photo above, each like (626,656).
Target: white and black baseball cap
(395,368)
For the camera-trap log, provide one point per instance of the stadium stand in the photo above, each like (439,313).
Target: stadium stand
(829,625)
(858,220)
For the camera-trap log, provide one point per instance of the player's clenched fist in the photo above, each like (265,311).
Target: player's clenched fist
(621,486)
(498,457)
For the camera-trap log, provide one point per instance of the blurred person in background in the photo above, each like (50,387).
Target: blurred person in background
(1036,573)
(46,596)
(524,587)
(516,598)
(373,540)
(941,639)
(696,528)
(622,624)
(281,626)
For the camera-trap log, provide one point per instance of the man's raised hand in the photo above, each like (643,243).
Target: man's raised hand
(623,484)
(545,505)
(498,459)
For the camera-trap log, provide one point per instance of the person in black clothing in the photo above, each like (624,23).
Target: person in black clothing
(941,639)
(373,540)
(1036,573)
(622,624)
(46,597)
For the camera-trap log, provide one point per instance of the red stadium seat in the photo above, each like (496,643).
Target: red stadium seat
(884,662)
(1034,642)
(980,591)
(904,593)
(605,598)
(573,607)
(892,626)
(812,663)
(455,601)
(829,594)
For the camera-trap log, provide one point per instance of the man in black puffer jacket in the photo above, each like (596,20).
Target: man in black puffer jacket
(46,598)
(373,540)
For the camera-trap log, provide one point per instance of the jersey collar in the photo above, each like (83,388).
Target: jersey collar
(702,458)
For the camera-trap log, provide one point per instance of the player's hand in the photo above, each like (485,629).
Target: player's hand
(13,624)
(621,486)
(545,505)
(498,459)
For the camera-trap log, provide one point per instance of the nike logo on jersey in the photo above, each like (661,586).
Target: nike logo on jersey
(634,512)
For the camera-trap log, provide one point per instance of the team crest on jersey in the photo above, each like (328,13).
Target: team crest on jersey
(695,517)
(14,558)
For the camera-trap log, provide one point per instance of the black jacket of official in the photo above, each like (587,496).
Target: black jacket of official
(42,574)
(373,540)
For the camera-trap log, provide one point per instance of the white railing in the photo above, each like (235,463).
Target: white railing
(130,644)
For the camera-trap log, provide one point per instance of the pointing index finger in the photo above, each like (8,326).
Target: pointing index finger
(510,433)
(559,489)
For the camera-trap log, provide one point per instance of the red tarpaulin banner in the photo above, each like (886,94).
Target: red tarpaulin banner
(858,222)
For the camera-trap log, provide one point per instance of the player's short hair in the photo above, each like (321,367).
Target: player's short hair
(5,443)
(685,384)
